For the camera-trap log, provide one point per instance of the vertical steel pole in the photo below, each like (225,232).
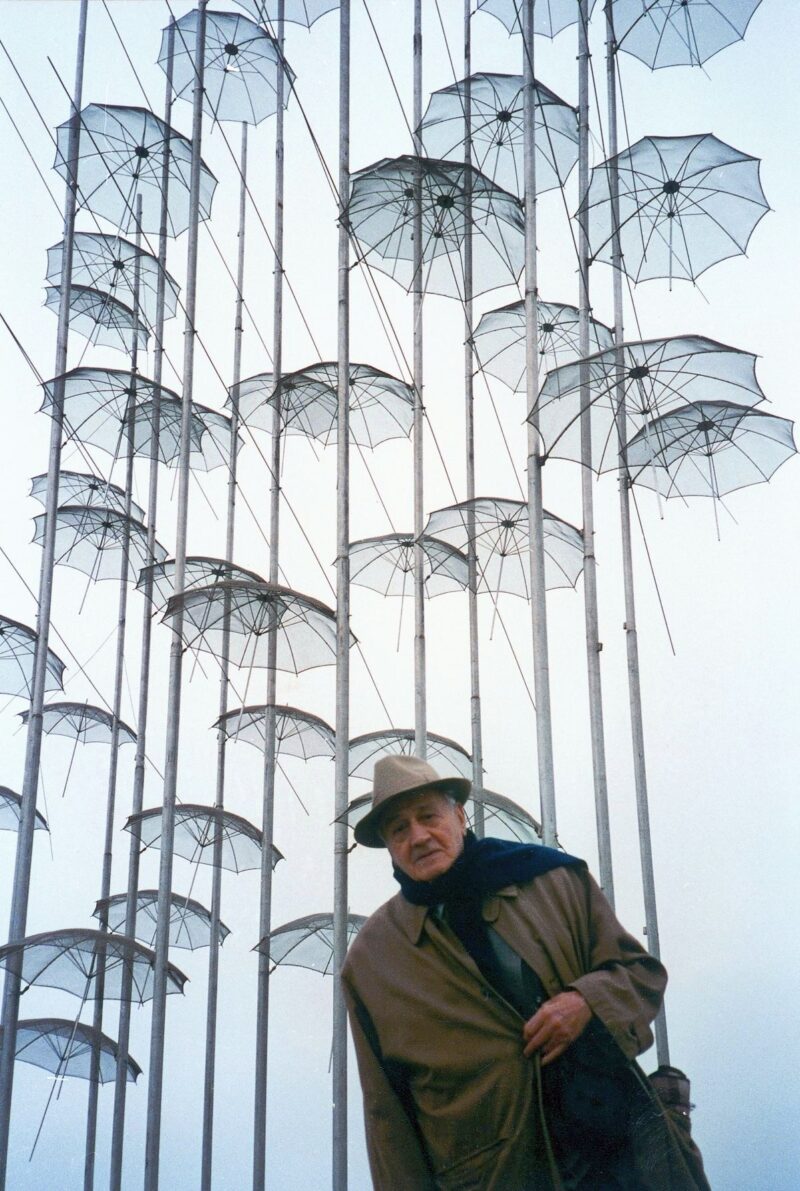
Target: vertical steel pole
(340,842)
(33,747)
(219,795)
(541,663)
(420,710)
(631,638)
(590,606)
(137,801)
(158,1027)
(116,713)
(268,802)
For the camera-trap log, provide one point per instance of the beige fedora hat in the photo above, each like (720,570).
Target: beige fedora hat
(397,776)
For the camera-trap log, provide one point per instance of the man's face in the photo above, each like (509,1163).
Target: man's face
(424,834)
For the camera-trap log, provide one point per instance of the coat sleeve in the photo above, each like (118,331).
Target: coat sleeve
(396,1157)
(623,985)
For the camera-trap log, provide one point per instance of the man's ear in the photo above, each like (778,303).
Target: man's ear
(462,815)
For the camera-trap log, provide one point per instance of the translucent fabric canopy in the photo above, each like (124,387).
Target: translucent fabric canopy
(189,921)
(99,317)
(679,32)
(708,449)
(652,377)
(11,809)
(496,130)
(497,530)
(71,959)
(307,942)
(503,818)
(685,203)
(386,565)
(453,197)
(80,488)
(499,339)
(66,1048)
(121,157)
(297,733)
(240,70)
(381,406)
(17,647)
(81,722)
(300,12)
(195,831)
(200,571)
(108,263)
(446,755)
(92,540)
(549,16)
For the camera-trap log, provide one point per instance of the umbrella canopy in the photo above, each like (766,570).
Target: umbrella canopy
(652,377)
(70,960)
(685,203)
(306,628)
(386,564)
(99,317)
(11,810)
(497,530)
(80,488)
(679,32)
(189,922)
(121,156)
(215,444)
(307,942)
(381,406)
(300,12)
(81,722)
(444,754)
(200,571)
(297,733)
(92,540)
(496,130)
(107,263)
(17,647)
(240,69)
(195,831)
(505,819)
(549,16)
(499,339)
(708,449)
(67,1048)
(454,197)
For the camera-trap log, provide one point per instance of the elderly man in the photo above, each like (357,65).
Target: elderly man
(495,1003)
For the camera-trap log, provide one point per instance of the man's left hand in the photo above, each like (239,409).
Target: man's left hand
(556,1025)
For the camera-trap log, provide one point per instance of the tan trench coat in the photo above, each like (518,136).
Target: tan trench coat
(448,1094)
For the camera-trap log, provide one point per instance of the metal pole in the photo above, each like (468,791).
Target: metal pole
(137,800)
(591,615)
(268,807)
(158,1027)
(541,663)
(116,712)
(33,747)
(340,842)
(469,419)
(219,797)
(631,639)
(420,710)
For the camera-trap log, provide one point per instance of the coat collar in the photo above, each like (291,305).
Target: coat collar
(411,918)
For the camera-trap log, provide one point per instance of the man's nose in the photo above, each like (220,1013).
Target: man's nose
(417,832)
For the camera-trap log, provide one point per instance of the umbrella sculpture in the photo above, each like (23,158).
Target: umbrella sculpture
(709,448)
(499,339)
(454,196)
(505,819)
(679,32)
(307,942)
(80,488)
(501,541)
(10,810)
(496,130)
(652,377)
(195,828)
(685,203)
(93,540)
(108,263)
(190,922)
(99,317)
(241,66)
(385,563)
(121,155)
(299,12)
(381,406)
(83,724)
(17,646)
(65,1048)
(200,571)
(297,733)
(444,753)
(549,16)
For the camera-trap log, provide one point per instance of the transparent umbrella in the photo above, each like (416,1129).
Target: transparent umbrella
(81,488)
(11,809)
(81,722)
(17,647)
(92,540)
(195,830)
(65,1048)
(505,819)
(99,317)
(549,16)
(200,571)
(297,733)
(307,942)
(300,12)
(449,757)
(386,565)
(107,263)
(679,32)
(189,922)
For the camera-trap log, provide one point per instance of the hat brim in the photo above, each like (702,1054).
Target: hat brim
(367,830)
